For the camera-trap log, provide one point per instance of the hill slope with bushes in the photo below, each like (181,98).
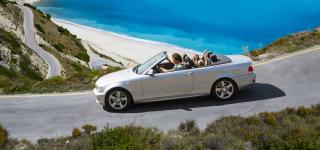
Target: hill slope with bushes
(289,129)
(288,44)
(23,71)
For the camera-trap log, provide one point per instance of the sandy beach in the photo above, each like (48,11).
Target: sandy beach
(26,1)
(120,47)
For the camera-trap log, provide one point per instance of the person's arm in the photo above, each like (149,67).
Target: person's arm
(164,69)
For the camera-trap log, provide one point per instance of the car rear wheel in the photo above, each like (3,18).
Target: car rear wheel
(118,99)
(224,89)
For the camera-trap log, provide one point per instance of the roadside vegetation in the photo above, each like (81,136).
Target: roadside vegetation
(12,82)
(83,80)
(289,129)
(289,43)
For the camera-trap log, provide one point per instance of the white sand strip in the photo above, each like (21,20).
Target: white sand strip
(111,43)
(25,1)
(95,60)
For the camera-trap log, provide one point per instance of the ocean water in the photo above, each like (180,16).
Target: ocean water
(224,27)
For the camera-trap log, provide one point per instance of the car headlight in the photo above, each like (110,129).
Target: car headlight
(100,89)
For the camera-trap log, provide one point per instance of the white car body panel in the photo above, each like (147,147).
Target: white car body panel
(177,84)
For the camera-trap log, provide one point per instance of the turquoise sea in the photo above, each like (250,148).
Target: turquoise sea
(222,26)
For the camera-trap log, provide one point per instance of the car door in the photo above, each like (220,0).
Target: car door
(168,85)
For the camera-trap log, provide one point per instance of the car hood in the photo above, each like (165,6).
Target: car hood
(120,76)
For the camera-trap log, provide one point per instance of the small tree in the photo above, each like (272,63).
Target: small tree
(76,132)
(88,128)
(3,136)
(48,16)
(189,127)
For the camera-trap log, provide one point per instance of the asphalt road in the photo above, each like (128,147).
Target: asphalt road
(290,82)
(28,25)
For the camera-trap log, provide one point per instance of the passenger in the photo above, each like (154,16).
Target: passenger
(177,60)
(207,59)
(195,60)
(187,61)
(214,58)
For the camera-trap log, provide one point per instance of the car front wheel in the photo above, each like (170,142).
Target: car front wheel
(118,100)
(224,89)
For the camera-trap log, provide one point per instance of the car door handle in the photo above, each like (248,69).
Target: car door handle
(188,73)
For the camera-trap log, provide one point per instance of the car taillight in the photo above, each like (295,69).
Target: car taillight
(250,69)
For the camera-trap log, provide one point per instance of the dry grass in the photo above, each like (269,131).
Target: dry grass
(289,129)
(59,37)
(290,43)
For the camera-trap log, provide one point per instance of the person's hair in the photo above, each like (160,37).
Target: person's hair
(201,63)
(177,57)
(196,56)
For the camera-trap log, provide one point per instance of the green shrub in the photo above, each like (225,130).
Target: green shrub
(4,82)
(128,137)
(7,72)
(30,6)
(222,141)
(270,119)
(88,128)
(9,39)
(3,136)
(14,60)
(58,47)
(39,28)
(27,70)
(189,127)
(83,56)
(254,120)
(50,82)
(76,132)
(22,84)
(63,31)
(77,67)
(303,112)
(48,16)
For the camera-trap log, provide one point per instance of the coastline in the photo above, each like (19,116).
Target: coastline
(27,1)
(122,48)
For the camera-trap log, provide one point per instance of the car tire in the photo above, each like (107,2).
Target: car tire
(118,99)
(224,89)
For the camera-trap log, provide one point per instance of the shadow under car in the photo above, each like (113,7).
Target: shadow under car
(255,92)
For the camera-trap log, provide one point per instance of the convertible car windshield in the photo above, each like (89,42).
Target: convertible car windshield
(144,66)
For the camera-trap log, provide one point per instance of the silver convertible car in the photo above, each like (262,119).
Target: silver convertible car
(146,83)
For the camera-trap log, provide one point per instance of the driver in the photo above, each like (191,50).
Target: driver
(177,61)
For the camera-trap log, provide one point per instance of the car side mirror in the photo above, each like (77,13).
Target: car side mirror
(150,72)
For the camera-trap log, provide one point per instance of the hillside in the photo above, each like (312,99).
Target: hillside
(287,44)
(66,47)
(22,70)
(19,65)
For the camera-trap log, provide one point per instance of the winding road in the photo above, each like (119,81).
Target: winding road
(28,25)
(289,82)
